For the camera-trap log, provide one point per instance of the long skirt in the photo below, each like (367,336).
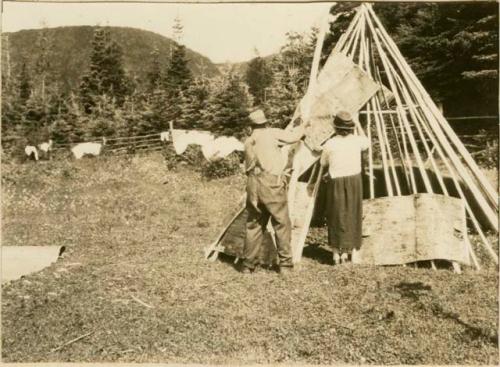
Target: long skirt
(344,212)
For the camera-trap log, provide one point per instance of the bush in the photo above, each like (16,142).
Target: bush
(221,167)
(488,157)
(192,157)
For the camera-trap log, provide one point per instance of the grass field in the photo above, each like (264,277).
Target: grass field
(134,232)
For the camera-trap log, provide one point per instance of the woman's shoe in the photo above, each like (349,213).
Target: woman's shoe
(344,257)
(336,257)
(355,256)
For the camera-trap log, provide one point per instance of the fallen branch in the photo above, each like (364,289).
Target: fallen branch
(141,302)
(72,341)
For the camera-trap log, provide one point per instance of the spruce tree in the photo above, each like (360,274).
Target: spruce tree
(71,124)
(106,75)
(258,77)
(24,84)
(228,107)
(178,75)
(154,75)
(194,101)
(42,62)
(291,68)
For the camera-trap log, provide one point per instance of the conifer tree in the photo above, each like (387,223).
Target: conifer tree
(71,124)
(258,77)
(290,77)
(228,107)
(106,75)
(178,75)
(42,61)
(194,101)
(24,84)
(154,75)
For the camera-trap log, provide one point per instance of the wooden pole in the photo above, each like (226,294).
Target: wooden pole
(297,253)
(346,41)
(394,89)
(486,208)
(438,124)
(462,196)
(394,129)
(458,187)
(363,62)
(491,193)
(370,156)
(343,38)
(301,147)
(406,162)
(389,153)
(352,45)
(424,140)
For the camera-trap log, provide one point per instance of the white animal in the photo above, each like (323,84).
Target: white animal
(31,151)
(46,148)
(82,149)
(165,136)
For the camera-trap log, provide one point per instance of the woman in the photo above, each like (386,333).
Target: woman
(344,192)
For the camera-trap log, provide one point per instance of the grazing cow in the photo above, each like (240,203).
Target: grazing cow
(93,149)
(31,152)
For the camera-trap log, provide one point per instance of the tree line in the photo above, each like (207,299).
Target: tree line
(453,48)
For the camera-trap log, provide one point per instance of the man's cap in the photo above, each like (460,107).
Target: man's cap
(343,120)
(257,117)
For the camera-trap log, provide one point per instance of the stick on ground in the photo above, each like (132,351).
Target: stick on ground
(72,341)
(141,302)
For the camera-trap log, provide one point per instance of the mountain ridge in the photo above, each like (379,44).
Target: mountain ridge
(70,55)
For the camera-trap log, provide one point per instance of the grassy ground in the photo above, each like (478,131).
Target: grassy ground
(134,230)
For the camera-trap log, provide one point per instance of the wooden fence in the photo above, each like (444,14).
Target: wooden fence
(476,144)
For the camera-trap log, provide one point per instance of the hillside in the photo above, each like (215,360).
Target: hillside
(241,67)
(72,47)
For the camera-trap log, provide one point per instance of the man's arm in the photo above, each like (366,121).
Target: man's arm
(291,136)
(250,157)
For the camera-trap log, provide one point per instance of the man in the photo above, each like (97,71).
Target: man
(266,191)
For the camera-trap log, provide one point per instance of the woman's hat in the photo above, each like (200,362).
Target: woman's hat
(257,117)
(343,120)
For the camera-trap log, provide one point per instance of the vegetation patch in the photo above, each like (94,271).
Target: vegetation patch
(134,286)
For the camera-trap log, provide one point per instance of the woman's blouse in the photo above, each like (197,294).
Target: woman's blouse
(342,154)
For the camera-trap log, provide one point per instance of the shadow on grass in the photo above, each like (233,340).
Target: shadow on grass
(319,254)
(229,261)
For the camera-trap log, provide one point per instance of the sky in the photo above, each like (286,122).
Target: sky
(222,32)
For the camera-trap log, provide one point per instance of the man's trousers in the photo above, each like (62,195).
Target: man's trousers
(267,199)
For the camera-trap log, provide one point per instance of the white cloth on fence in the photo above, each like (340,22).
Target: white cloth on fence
(82,149)
(179,140)
(182,138)
(222,147)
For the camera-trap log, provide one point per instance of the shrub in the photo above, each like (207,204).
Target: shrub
(221,167)
(192,157)
(488,157)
